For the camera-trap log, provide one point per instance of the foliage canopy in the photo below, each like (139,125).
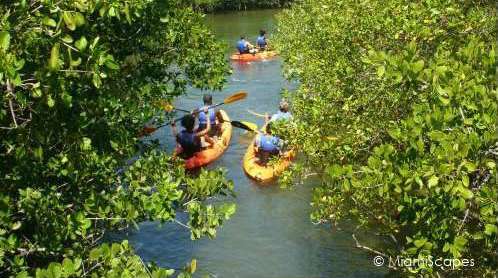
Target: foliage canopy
(78,79)
(403,97)
(228,5)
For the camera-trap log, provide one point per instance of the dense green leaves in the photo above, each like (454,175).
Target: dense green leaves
(224,5)
(81,43)
(4,40)
(53,62)
(407,89)
(116,260)
(79,79)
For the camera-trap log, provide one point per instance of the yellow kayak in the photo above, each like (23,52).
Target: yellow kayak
(212,153)
(268,172)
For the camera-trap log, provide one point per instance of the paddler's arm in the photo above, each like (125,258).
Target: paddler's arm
(173,129)
(267,118)
(257,142)
(175,134)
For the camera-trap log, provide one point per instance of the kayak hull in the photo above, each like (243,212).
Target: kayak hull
(212,153)
(265,173)
(260,56)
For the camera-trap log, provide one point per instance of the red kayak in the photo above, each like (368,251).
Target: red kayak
(259,56)
(211,153)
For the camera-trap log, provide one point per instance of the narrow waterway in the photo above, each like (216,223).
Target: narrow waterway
(271,234)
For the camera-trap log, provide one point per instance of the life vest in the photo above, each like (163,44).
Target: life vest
(261,41)
(242,46)
(269,143)
(203,118)
(189,142)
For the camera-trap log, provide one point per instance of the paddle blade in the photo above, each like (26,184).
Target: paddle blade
(165,105)
(256,114)
(252,126)
(242,126)
(235,97)
(146,131)
(168,107)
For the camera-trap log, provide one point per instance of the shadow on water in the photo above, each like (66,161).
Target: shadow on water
(271,234)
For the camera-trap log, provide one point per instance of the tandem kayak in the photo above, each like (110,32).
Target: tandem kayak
(212,153)
(260,56)
(268,172)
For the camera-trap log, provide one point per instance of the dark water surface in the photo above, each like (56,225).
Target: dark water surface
(271,234)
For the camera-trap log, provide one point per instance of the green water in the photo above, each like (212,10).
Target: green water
(230,26)
(271,234)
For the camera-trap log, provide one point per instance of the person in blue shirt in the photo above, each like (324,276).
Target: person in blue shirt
(267,145)
(244,47)
(210,116)
(188,139)
(261,41)
(282,114)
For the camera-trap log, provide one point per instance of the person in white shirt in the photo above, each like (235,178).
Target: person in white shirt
(282,114)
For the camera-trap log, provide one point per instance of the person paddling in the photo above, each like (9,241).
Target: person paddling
(188,139)
(245,47)
(210,116)
(261,41)
(282,114)
(267,145)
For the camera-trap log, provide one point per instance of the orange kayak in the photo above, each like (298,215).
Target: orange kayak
(212,153)
(268,172)
(260,56)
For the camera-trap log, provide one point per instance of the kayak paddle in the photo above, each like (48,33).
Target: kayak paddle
(168,107)
(231,99)
(245,125)
(256,114)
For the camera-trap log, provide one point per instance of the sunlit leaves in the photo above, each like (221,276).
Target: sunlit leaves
(69,21)
(408,89)
(224,5)
(203,219)
(433,181)
(490,229)
(208,184)
(49,21)
(50,101)
(82,77)
(67,39)
(53,62)
(81,43)
(4,40)
(116,260)
(79,19)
